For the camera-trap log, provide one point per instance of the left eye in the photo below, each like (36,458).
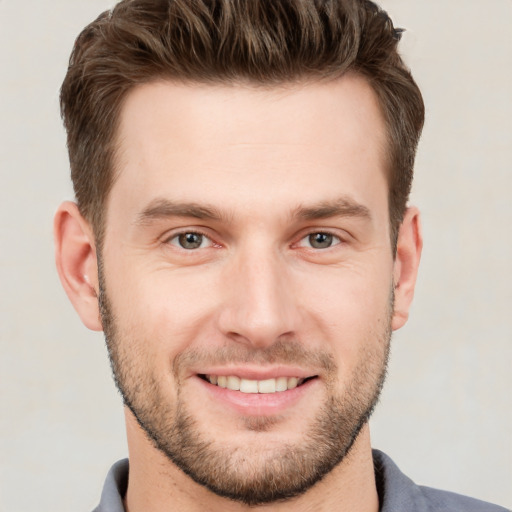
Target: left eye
(319,240)
(190,241)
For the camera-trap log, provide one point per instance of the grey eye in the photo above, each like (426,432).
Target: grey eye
(320,240)
(190,240)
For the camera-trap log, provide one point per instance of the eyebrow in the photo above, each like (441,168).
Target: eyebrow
(164,208)
(341,207)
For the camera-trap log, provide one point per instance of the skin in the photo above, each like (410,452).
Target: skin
(266,162)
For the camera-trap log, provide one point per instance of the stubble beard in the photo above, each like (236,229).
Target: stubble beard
(250,475)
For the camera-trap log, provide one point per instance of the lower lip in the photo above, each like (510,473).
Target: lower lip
(259,404)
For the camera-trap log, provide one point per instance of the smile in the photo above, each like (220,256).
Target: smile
(235,383)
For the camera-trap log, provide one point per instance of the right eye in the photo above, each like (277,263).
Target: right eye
(190,241)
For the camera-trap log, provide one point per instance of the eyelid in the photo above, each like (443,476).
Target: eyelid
(340,238)
(174,234)
(330,232)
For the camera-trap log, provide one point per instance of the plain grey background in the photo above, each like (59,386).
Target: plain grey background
(445,416)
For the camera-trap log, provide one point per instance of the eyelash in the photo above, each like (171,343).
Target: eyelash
(336,240)
(196,232)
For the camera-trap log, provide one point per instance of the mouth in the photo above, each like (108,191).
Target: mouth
(266,386)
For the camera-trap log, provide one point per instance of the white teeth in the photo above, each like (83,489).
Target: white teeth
(292,382)
(235,383)
(281,384)
(248,386)
(267,386)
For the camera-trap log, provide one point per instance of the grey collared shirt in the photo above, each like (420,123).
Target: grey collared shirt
(397,492)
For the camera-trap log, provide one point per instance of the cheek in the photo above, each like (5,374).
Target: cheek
(357,286)
(350,307)
(163,310)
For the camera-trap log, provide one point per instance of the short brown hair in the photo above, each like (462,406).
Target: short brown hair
(262,41)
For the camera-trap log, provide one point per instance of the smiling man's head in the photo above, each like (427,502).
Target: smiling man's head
(247,242)
(242,171)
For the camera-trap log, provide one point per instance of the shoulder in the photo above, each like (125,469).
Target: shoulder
(397,493)
(452,502)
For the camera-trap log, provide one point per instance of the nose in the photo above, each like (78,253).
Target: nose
(260,307)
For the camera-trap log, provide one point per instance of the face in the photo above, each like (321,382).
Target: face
(247,277)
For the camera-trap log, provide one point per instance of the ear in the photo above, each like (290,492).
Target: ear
(407,259)
(75,257)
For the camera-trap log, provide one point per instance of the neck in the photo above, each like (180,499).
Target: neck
(156,484)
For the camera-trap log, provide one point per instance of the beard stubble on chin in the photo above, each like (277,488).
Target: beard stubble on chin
(250,475)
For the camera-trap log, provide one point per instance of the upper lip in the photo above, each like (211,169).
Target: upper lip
(257,372)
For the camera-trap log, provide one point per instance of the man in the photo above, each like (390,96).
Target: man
(242,237)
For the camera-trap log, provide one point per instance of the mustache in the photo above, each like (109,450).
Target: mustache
(281,352)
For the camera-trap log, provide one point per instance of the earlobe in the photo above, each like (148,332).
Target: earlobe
(75,257)
(408,253)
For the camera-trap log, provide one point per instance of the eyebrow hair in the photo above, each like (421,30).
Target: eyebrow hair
(164,208)
(344,207)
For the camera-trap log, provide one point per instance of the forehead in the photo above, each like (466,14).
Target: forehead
(232,143)
(237,112)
